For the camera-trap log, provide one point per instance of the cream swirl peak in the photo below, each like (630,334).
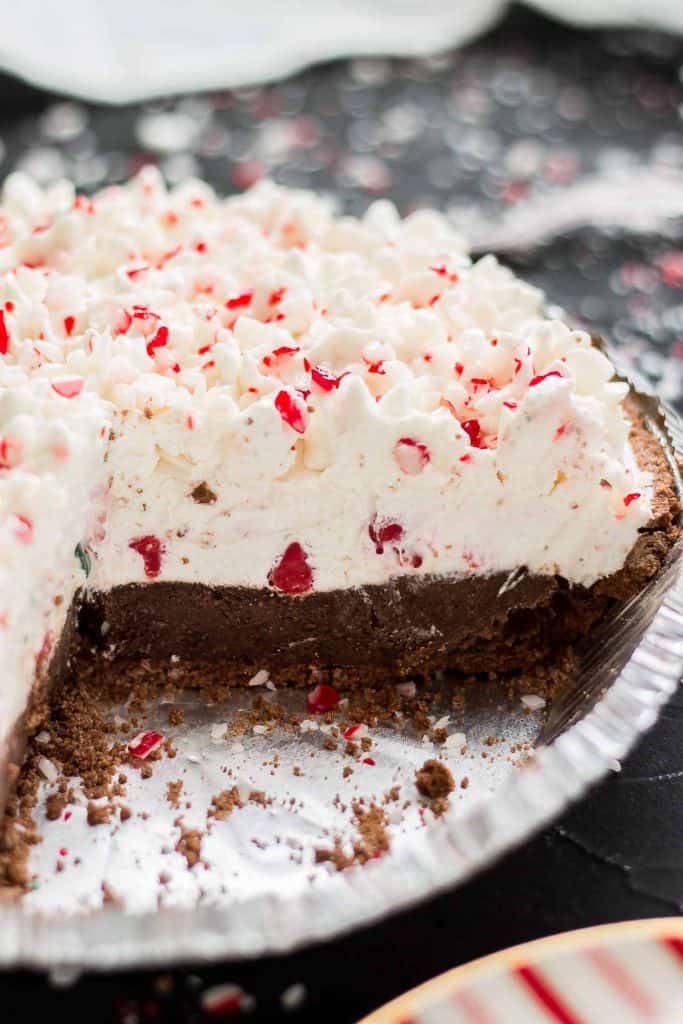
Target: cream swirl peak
(297,400)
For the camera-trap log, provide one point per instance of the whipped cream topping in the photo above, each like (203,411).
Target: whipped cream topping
(304,401)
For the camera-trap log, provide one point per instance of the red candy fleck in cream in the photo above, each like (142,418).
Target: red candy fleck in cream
(23,529)
(276,297)
(239,301)
(151,550)
(633,496)
(60,452)
(292,574)
(280,353)
(83,203)
(136,272)
(384,532)
(370,761)
(144,314)
(10,452)
(69,324)
(158,341)
(412,456)
(4,335)
(145,743)
(442,270)
(326,379)
(70,387)
(535,381)
(473,430)
(291,411)
(322,699)
(121,322)
(168,256)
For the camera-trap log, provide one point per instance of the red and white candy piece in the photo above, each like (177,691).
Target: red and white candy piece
(356,732)
(539,378)
(10,452)
(292,411)
(411,456)
(322,699)
(473,430)
(23,529)
(225,1001)
(292,574)
(326,379)
(151,551)
(4,335)
(384,531)
(145,743)
(68,387)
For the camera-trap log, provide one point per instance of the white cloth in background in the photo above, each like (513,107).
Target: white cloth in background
(126,50)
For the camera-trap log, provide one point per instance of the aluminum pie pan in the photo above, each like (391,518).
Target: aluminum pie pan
(283,916)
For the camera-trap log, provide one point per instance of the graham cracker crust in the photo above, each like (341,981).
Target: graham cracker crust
(48,675)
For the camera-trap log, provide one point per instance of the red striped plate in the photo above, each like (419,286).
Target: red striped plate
(628,973)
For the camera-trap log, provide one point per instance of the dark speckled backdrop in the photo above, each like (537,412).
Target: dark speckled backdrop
(527,112)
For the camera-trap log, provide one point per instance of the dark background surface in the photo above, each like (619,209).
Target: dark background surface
(521,114)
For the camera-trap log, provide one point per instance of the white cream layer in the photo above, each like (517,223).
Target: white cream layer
(536,500)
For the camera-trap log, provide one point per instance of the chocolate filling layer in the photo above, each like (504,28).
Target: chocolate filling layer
(409,625)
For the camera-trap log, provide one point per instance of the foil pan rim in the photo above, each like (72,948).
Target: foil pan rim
(559,774)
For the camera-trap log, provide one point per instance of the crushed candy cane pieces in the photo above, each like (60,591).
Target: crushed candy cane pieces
(145,743)
(532,702)
(322,699)
(292,574)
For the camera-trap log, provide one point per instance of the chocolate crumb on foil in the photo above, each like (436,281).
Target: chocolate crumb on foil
(90,738)
(189,844)
(371,841)
(223,804)
(173,791)
(434,780)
